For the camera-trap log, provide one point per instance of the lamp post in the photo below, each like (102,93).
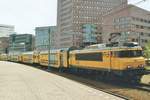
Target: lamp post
(13,49)
(49,47)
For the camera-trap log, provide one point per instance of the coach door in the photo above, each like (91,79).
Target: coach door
(114,60)
(106,64)
(61,59)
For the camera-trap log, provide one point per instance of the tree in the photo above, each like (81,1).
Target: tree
(147,50)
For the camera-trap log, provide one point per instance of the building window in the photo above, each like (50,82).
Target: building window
(142,33)
(137,26)
(146,41)
(133,40)
(142,27)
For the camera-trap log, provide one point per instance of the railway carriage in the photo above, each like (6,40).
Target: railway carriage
(27,57)
(64,57)
(36,56)
(54,58)
(3,57)
(43,58)
(14,57)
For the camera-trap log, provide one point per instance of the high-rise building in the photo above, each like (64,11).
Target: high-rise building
(6,30)
(72,14)
(42,37)
(4,44)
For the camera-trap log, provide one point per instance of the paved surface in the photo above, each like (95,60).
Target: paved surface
(21,82)
(146,79)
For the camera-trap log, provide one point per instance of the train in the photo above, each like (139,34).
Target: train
(126,62)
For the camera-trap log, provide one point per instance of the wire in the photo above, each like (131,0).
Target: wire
(140,2)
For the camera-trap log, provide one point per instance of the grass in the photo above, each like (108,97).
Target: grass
(147,67)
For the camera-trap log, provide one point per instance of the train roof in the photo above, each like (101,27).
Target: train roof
(51,51)
(58,50)
(30,52)
(108,49)
(3,54)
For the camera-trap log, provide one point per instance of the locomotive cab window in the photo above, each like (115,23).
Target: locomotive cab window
(90,56)
(130,53)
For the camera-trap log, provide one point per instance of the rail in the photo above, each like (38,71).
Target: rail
(144,87)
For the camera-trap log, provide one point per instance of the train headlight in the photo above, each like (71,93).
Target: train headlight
(129,67)
(142,66)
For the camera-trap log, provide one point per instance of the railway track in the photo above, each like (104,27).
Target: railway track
(148,72)
(144,87)
(112,93)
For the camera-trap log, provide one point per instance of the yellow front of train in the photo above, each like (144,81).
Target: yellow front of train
(131,63)
(131,59)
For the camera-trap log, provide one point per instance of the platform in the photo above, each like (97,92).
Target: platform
(22,82)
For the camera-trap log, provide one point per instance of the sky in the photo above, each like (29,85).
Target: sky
(25,15)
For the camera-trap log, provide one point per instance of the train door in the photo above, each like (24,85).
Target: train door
(61,59)
(114,61)
(65,59)
(107,60)
(37,58)
(111,55)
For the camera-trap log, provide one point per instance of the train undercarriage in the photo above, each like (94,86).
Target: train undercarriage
(129,76)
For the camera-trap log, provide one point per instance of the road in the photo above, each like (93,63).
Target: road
(22,82)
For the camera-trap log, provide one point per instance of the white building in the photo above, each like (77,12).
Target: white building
(6,30)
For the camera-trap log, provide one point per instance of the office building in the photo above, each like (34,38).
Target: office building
(130,23)
(42,37)
(4,44)
(6,30)
(20,43)
(72,14)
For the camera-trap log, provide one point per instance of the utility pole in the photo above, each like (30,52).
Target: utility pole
(49,47)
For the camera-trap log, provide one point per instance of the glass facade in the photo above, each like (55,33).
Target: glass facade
(89,33)
(6,30)
(20,42)
(42,37)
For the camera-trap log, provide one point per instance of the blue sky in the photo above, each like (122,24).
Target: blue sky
(28,14)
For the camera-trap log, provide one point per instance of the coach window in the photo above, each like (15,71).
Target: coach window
(90,56)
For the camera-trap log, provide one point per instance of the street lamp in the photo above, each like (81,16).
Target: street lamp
(49,47)
(13,44)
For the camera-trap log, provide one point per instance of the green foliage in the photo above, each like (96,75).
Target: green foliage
(147,50)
